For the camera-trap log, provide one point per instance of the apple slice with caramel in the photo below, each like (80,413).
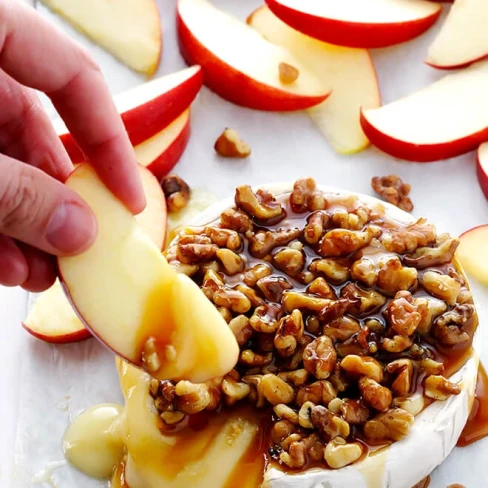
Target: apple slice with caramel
(129,297)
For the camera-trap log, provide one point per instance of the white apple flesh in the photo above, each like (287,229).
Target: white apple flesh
(442,120)
(356,23)
(240,65)
(128,29)
(52,318)
(463,38)
(472,253)
(128,295)
(350,72)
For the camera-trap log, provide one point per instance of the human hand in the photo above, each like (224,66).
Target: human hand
(39,216)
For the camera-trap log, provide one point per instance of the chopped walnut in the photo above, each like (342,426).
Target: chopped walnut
(329,425)
(289,331)
(241,328)
(430,367)
(393,190)
(363,366)
(335,309)
(234,391)
(341,242)
(231,262)
(365,271)
(338,453)
(439,388)
(396,343)
(251,358)
(354,412)
(275,390)
(297,378)
(229,239)
(253,275)
(296,300)
(266,318)
(403,314)
(230,145)
(273,287)
(263,242)
(441,286)
(305,196)
(176,191)
(295,457)
(288,74)
(402,369)
(290,261)
(283,429)
(261,205)
(342,329)
(413,404)
(319,393)
(195,249)
(334,269)
(426,257)
(363,301)
(304,415)
(284,412)
(393,277)
(392,425)
(375,395)
(232,299)
(191,397)
(236,220)
(316,226)
(407,239)
(319,357)
(350,220)
(448,328)
(429,309)
(321,288)
(251,294)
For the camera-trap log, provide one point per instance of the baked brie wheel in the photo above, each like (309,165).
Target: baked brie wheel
(357,335)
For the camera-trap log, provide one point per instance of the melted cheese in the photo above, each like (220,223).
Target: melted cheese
(93,442)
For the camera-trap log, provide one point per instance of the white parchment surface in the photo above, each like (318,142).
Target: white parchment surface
(58,382)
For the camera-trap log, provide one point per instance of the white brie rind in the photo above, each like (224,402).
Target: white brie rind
(436,429)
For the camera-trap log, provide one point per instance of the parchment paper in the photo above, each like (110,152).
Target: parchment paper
(58,382)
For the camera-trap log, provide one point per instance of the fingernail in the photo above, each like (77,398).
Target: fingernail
(72,228)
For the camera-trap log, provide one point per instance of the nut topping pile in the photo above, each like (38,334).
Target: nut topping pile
(348,322)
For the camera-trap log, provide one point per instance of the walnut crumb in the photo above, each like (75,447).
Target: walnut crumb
(176,191)
(230,145)
(393,190)
(288,73)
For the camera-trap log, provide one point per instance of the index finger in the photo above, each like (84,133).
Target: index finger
(39,56)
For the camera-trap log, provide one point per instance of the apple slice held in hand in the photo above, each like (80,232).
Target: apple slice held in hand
(136,303)
(472,253)
(350,72)
(463,38)
(52,318)
(358,23)
(241,66)
(146,109)
(128,29)
(443,120)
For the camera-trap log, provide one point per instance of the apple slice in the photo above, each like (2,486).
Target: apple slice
(147,109)
(52,318)
(463,38)
(356,23)
(241,66)
(443,120)
(472,254)
(128,29)
(482,168)
(130,297)
(341,68)
(162,151)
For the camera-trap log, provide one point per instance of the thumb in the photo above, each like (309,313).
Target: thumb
(41,211)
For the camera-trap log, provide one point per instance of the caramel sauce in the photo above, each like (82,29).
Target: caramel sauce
(477,426)
(118,477)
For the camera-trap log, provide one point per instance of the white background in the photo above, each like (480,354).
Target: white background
(285,147)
